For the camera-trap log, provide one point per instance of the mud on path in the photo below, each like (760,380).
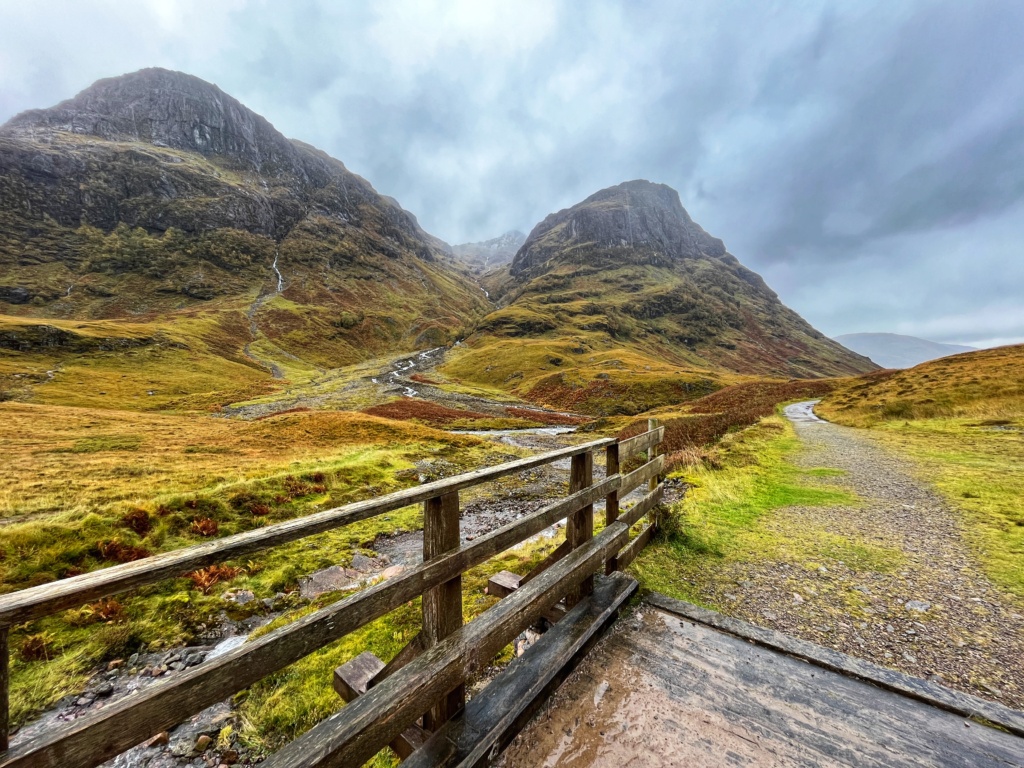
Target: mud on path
(933,615)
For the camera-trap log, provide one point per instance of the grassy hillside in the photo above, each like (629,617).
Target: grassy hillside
(987,384)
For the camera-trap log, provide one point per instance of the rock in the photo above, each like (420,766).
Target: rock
(194,659)
(133,660)
(115,664)
(361,562)
(203,742)
(797,598)
(15,295)
(230,757)
(160,740)
(917,605)
(105,690)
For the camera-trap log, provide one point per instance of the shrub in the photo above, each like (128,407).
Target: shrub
(118,552)
(39,647)
(205,526)
(205,578)
(138,520)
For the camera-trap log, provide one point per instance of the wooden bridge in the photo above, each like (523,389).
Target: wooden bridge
(416,702)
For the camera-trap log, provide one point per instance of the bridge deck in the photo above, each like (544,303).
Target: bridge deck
(667,688)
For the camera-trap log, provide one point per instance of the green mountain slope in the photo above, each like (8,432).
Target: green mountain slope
(626,284)
(157,197)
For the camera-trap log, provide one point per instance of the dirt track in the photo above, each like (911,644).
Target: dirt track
(934,615)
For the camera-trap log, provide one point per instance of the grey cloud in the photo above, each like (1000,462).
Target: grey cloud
(841,148)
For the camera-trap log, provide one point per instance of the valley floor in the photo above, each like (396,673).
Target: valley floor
(885,575)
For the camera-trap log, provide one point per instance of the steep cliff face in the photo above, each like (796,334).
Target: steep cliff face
(643,223)
(628,269)
(153,191)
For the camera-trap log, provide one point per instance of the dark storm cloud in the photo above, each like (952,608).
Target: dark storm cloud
(866,157)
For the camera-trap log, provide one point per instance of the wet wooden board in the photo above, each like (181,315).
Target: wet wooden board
(663,690)
(491,718)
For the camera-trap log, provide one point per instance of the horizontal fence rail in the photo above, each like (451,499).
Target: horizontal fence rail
(424,680)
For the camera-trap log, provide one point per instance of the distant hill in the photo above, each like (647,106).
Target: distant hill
(488,254)
(891,350)
(625,283)
(984,383)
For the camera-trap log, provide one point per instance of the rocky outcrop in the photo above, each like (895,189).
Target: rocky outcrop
(134,170)
(166,109)
(647,221)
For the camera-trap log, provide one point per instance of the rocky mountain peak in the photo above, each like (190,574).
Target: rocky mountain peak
(164,108)
(490,253)
(639,215)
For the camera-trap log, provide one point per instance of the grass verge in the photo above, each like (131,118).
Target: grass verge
(979,469)
(726,516)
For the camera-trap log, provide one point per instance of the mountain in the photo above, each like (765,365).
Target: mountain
(488,254)
(626,280)
(891,350)
(157,195)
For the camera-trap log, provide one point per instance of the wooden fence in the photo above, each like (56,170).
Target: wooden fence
(425,680)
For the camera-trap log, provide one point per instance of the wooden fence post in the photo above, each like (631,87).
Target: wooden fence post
(5,690)
(611,502)
(579,528)
(442,605)
(652,452)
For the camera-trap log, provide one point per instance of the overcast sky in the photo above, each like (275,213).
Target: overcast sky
(866,158)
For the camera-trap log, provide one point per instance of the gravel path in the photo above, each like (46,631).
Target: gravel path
(932,614)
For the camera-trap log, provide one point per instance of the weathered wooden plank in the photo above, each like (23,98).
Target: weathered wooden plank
(634,445)
(579,527)
(442,605)
(553,557)
(412,649)
(642,507)
(631,550)
(494,716)
(503,583)
(676,692)
(100,735)
(934,694)
(355,677)
(35,602)
(653,451)
(5,689)
(354,735)
(611,502)
(638,477)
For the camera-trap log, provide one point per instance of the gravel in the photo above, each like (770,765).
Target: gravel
(935,616)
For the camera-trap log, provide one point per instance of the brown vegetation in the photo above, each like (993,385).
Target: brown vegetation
(422,410)
(711,417)
(204,579)
(119,552)
(205,527)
